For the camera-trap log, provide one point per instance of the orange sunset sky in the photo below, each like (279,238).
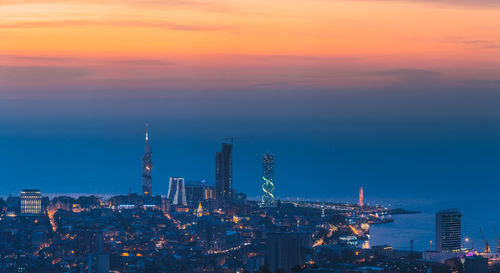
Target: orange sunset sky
(243,44)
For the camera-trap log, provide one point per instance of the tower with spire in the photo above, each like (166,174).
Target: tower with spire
(147,166)
(361,201)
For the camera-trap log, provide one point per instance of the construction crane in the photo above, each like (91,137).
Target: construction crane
(486,245)
(498,239)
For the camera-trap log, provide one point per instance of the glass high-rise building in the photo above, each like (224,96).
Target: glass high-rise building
(197,191)
(448,230)
(31,202)
(224,173)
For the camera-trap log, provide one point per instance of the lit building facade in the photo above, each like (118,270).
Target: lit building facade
(224,173)
(31,202)
(209,192)
(268,179)
(177,191)
(448,230)
(196,191)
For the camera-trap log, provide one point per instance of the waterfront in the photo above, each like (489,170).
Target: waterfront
(420,227)
(406,227)
(396,169)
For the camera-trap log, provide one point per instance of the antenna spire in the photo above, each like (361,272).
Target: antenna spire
(147,125)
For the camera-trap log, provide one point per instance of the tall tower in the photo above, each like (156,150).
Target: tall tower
(268,177)
(224,174)
(360,202)
(448,230)
(147,166)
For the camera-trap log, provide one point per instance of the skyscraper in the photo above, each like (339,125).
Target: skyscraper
(147,166)
(268,179)
(177,191)
(448,230)
(224,173)
(196,191)
(31,202)
(209,192)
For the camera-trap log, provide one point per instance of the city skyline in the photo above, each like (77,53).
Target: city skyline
(351,85)
(256,185)
(332,136)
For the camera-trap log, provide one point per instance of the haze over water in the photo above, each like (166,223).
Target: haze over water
(427,160)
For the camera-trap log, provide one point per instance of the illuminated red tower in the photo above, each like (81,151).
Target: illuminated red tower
(360,202)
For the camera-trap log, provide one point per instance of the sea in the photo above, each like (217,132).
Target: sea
(476,215)
(422,165)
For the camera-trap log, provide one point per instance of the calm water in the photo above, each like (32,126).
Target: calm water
(420,227)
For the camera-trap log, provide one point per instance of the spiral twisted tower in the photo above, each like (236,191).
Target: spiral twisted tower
(268,177)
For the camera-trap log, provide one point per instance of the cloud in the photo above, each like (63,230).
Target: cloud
(37,58)
(464,3)
(411,77)
(151,24)
(211,6)
(145,62)
(57,59)
(216,4)
(59,23)
(481,43)
(169,25)
(298,58)
(474,43)
(482,83)
(483,3)
(26,74)
(407,72)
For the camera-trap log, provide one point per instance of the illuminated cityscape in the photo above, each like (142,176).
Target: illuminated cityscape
(196,227)
(289,136)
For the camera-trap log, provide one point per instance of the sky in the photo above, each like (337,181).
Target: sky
(49,45)
(400,97)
